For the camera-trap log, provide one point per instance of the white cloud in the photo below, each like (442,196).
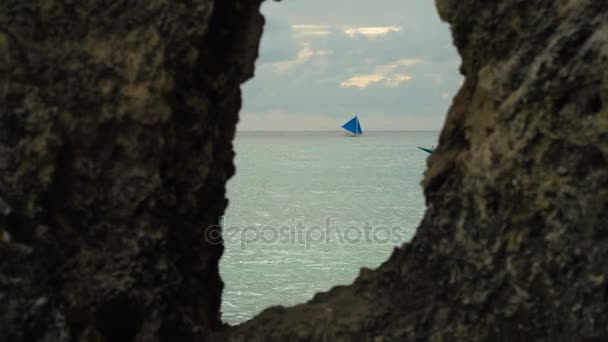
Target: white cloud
(310,30)
(362,81)
(371,32)
(383,74)
(396,80)
(304,55)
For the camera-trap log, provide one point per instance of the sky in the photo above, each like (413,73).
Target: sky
(390,62)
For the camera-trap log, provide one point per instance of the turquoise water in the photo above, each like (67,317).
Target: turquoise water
(307,210)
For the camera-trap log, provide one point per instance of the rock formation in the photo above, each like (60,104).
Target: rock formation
(116,120)
(513,246)
(116,127)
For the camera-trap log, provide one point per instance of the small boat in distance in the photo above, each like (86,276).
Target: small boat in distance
(353,127)
(427,150)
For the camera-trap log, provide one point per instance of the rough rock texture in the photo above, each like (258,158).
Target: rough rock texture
(116,127)
(116,123)
(514,244)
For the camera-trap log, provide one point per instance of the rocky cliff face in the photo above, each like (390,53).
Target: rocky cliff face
(116,122)
(513,245)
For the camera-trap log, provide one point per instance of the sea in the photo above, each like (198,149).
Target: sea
(308,210)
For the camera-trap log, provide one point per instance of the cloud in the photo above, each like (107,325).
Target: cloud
(312,72)
(290,46)
(362,81)
(395,80)
(304,55)
(371,32)
(385,75)
(310,30)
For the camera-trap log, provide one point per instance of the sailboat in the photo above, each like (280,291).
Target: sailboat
(353,127)
(427,150)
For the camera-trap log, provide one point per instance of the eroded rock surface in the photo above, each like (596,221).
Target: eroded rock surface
(514,243)
(116,121)
(116,127)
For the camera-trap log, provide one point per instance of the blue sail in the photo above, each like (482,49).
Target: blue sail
(428,150)
(353,126)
